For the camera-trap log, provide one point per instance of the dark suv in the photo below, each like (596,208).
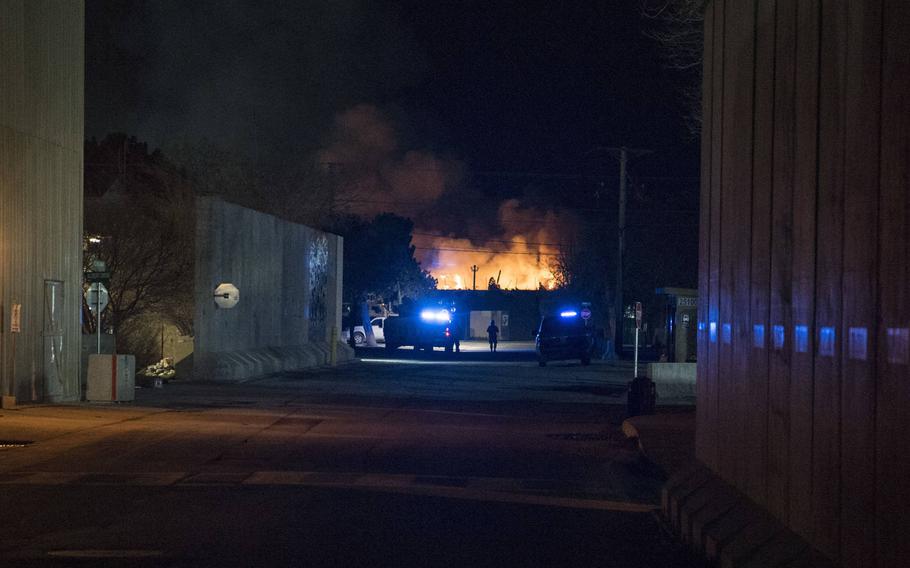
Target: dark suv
(564,336)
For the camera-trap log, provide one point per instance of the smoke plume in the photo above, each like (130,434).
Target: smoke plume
(457,227)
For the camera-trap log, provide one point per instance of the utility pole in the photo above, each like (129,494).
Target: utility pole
(620,257)
(474,269)
(622,154)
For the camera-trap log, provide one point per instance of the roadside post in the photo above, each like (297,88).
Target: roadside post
(97,299)
(637,328)
(97,296)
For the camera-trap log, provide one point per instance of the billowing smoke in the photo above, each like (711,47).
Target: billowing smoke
(519,256)
(511,243)
(374,174)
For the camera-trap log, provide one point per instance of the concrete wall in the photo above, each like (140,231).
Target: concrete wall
(289,276)
(673,380)
(41,137)
(804,309)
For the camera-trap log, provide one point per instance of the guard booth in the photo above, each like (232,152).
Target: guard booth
(680,328)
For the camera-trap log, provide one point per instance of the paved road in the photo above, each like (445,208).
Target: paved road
(403,459)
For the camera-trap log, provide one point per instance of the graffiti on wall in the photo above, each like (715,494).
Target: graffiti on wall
(318,265)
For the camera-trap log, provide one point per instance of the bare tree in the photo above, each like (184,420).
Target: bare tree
(678,26)
(146,241)
(139,220)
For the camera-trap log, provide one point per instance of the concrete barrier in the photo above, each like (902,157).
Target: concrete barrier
(238,366)
(111,378)
(673,380)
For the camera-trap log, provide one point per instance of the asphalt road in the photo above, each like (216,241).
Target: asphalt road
(402,459)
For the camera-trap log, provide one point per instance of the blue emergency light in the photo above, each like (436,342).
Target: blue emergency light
(436,316)
(568,314)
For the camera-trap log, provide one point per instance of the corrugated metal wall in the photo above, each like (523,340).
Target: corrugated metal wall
(804,315)
(41,145)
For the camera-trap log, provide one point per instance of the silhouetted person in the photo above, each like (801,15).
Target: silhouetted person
(493,334)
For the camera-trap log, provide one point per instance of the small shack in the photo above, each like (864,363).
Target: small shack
(679,329)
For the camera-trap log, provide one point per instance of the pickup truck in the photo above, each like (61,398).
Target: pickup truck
(360,336)
(430,328)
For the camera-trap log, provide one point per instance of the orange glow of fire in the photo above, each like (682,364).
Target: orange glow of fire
(523,266)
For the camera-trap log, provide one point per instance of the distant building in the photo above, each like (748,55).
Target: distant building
(516,312)
(677,337)
(41,159)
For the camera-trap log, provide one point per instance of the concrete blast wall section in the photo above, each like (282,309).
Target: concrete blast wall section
(289,277)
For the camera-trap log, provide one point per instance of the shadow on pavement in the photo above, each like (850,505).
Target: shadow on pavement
(612,391)
(439,355)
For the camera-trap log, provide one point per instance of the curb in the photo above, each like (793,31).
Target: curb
(721,524)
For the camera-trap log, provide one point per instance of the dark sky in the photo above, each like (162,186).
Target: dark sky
(442,108)
(512,86)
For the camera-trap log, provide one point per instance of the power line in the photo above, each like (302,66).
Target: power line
(510,241)
(559,208)
(447,249)
(521,174)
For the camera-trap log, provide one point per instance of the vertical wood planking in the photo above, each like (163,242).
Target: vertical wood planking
(762,183)
(862,124)
(704,411)
(893,388)
(826,420)
(781,294)
(714,306)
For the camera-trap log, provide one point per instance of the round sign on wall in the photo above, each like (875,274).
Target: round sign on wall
(226,295)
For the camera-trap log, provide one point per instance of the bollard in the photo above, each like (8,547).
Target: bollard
(642,396)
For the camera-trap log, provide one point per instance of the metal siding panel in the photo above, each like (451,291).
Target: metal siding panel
(828,283)
(714,262)
(762,176)
(804,210)
(781,298)
(736,182)
(893,392)
(706,418)
(41,136)
(862,123)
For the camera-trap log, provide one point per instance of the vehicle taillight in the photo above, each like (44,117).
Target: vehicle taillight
(448,333)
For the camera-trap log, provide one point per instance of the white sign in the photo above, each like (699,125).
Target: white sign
(637,315)
(16,319)
(226,295)
(97,297)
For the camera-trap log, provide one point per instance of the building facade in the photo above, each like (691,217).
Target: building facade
(804,308)
(41,161)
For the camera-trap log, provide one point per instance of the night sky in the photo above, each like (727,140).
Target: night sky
(529,86)
(497,92)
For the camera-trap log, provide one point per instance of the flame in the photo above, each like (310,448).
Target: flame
(523,266)
(519,260)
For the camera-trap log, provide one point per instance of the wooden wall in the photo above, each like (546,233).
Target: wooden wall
(804,318)
(41,141)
